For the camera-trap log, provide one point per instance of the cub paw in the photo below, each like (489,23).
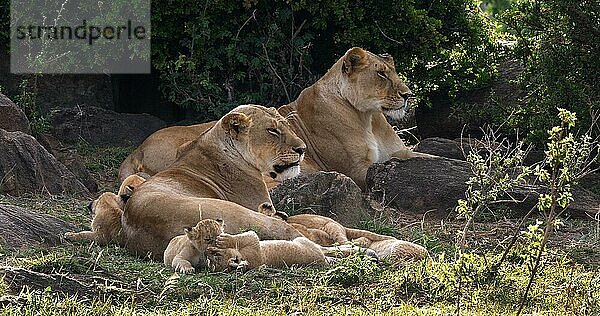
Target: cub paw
(70,235)
(185,270)
(225,241)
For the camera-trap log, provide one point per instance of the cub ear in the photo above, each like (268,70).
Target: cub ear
(354,59)
(236,124)
(125,197)
(189,231)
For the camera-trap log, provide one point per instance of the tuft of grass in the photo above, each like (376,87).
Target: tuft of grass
(104,163)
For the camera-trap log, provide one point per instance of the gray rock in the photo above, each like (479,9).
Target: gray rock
(102,127)
(19,279)
(21,228)
(69,157)
(12,118)
(26,167)
(329,194)
(423,184)
(441,147)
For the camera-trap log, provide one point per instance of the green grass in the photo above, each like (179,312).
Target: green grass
(356,286)
(569,283)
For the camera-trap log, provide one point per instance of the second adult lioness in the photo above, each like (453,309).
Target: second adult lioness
(217,176)
(340,118)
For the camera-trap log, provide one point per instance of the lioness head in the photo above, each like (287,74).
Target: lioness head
(266,140)
(370,83)
(205,233)
(220,260)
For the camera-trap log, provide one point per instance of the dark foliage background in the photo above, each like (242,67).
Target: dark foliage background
(558,44)
(215,54)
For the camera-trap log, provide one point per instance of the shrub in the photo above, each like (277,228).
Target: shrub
(223,53)
(557,43)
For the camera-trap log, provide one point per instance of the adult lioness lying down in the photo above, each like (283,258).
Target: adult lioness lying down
(340,118)
(217,176)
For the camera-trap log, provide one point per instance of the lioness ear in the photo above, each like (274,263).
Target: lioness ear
(236,124)
(354,59)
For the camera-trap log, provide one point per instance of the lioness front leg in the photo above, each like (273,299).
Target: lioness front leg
(84,235)
(181,265)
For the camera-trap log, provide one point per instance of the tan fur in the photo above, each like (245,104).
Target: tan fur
(106,215)
(220,172)
(340,117)
(327,232)
(248,252)
(187,252)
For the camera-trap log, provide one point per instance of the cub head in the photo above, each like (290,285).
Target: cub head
(370,83)
(266,140)
(220,260)
(205,233)
(129,185)
(107,204)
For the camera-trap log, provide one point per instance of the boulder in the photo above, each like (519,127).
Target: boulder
(19,279)
(21,228)
(329,194)
(69,157)
(441,147)
(425,184)
(12,118)
(453,149)
(102,127)
(444,118)
(26,167)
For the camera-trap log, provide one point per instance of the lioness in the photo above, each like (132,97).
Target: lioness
(186,252)
(217,176)
(340,118)
(106,213)
(246,251)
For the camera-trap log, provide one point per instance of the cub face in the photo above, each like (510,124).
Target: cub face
(221,260)
(204,234)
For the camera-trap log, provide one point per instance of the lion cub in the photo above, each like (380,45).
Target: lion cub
(327,232)
(106,214)
(187,251)
(246,251)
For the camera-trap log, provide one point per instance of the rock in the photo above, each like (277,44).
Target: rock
(21,228)
(102,127)
(451,148)
(329,194)
(441,147)
(26,167)
(423,184)
(69,157)
(18,279)
(12,118)
(445,118)
(418,184)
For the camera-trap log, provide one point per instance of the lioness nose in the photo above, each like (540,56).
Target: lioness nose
(406,95)
(300,150)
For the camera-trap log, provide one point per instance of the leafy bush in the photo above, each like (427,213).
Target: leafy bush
(557,43)
(218,54)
